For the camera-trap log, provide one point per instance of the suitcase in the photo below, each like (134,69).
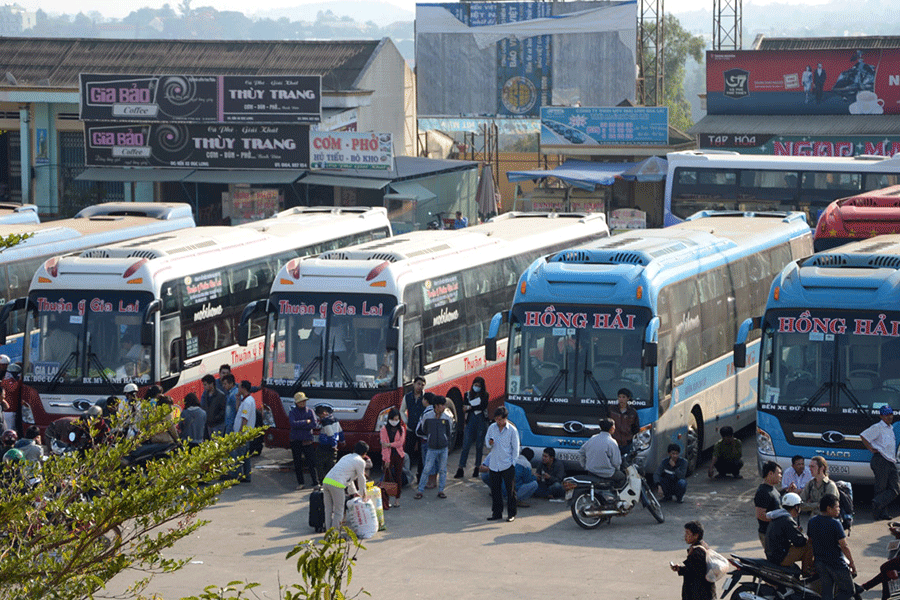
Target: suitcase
(317,511)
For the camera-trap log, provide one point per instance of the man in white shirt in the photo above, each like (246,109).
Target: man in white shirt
(600,455)
(880,441)
(503,439)
(244,419)
(795,478)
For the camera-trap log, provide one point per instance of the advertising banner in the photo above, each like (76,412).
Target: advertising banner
(605,126)
(807,145)
(520,56)
(201,99)
(350,150)
(803,82)
(233,147)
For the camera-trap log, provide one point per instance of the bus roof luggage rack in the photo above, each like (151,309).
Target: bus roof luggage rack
(163,211)
(769,214)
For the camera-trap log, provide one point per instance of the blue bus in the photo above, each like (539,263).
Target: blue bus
(830,355)
(654,311)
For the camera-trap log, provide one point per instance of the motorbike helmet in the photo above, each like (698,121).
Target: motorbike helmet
(9,437)
(13,455)
(130,388)
(14,369)
(93,411)
(790,500)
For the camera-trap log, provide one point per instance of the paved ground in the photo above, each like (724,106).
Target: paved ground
(437,548)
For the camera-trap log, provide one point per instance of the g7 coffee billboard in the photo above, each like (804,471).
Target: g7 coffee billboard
(803,82)
(201,99)
(197,146)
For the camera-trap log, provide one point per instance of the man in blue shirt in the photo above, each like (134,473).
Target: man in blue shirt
(829,543)
(503,439)
(461,222)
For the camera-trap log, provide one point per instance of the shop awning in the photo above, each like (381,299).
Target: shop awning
(342,181)
(651,169)
(582,174)
(272,177)
(125,175)
(409,190)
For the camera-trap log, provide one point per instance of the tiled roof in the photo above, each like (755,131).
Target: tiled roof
(57,62)
(828,43)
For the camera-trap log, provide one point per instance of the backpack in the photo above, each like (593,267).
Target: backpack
(845,496)
(716,566)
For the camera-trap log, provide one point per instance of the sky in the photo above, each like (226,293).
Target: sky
(120,8)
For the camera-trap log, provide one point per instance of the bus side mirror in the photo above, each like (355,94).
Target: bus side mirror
(147,325)
(490,349)
(392,341)
(490,342)
(650,354)
(740,344)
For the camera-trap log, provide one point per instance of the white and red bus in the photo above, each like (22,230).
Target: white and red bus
(163,309)
(352,327)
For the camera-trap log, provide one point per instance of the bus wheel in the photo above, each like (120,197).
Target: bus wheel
(693,443)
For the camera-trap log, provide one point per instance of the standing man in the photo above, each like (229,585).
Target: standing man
(303,421)
(600,455)
(213,402)
(244,419)
(767,498)
(819,78)
(829,543)
(503,439)
(795,478)
(411,410)
(880,441)
(626,420)
(223,371)
(435,428)
(231,400)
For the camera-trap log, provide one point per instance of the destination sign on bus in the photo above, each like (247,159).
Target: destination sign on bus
(816,325)
(95,305)
(550,317)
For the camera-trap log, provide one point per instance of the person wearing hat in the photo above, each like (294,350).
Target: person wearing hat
(4,364)
(879,440)
(303,421)
(785,543)
(12,394)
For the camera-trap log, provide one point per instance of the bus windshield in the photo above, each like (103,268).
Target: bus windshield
(825,361)
(330,340)
(577,355)
(90,338)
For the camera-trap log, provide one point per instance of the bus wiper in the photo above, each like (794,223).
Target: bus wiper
(815,397)
(545,399)
(598,391)
(859,407)
(345,375)
(95,361)
(298,383)
(73,356)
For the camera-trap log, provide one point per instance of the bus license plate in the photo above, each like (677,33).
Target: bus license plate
(568,456)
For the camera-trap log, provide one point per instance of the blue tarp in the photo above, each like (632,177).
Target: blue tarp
(582,174)
(651,169)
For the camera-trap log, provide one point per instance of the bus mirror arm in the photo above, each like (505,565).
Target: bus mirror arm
(740,344)
(243,330)
(392,341)
(17,304)
(490,342)
(147,324)
(420,351)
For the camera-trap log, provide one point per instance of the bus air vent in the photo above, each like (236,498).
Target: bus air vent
(95,253)
(885,261)
(827,260)
(334,256)
(148,254)
(428,250)
(572,256)
(631,258)
(384,256)
(189,247)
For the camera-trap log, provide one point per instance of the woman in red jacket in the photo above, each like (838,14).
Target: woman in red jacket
(393,436)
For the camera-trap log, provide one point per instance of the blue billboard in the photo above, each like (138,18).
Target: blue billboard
(604,126)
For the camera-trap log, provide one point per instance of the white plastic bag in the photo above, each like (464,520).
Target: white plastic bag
(717,566)
(361,518)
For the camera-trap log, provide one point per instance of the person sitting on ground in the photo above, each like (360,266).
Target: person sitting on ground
(550,474)
(695,586)
(785,543)
(795,478)
(817,487)
(727,455)
(600,455)
(524,481)
(671,475)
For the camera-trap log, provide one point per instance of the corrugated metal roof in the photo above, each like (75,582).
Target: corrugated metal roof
(828,43)
(61,60)
(799,124)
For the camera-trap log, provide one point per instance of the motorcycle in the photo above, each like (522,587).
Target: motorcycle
(596,501)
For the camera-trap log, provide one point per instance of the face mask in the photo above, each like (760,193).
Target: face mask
(394,422)
(476,388)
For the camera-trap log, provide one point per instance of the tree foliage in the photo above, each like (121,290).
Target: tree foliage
(87,518)
(679,46)
(13,239)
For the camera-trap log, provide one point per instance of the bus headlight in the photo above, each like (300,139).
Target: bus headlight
(643,438)
(382,419)
(764,443)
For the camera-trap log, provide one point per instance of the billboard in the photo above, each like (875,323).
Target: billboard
(605,126)
(350,150)
(509,59)
(235,147)
(806,145)
(803,82)
(201,99)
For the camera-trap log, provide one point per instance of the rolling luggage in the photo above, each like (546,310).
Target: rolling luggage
(317,511)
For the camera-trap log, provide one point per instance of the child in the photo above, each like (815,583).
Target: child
(331,436)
